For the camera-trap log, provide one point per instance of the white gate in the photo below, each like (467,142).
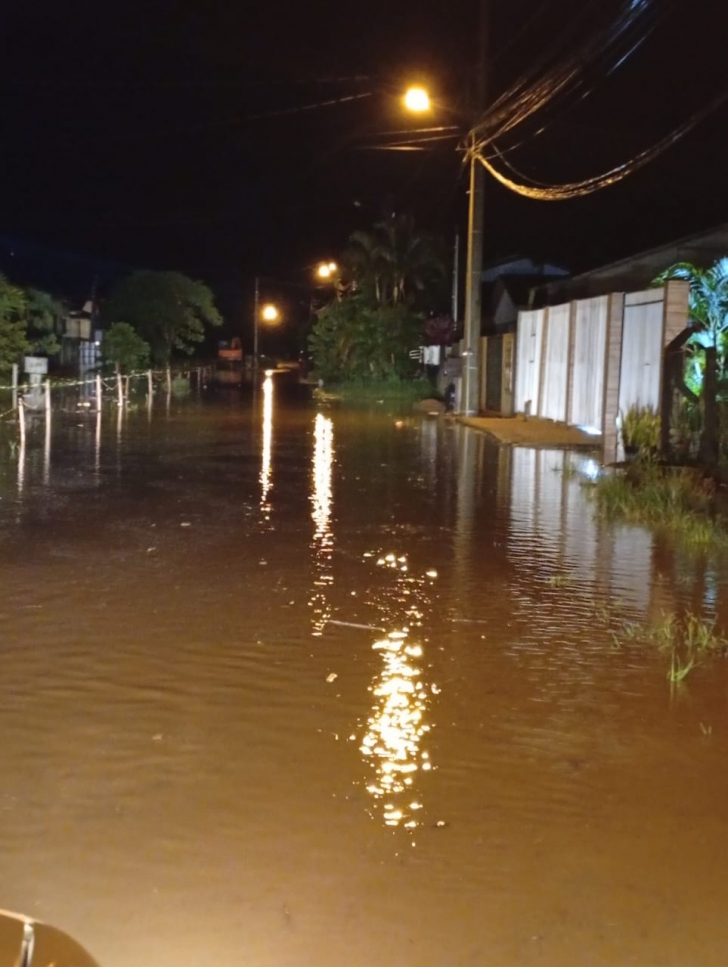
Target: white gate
(555,364)
(590,347)
(528,365)
(642,336)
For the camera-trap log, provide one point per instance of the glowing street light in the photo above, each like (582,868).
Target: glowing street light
(269,313)
(417,100)
(326,270)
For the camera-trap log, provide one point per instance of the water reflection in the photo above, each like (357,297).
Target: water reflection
(266,474)
(395,728)
(323,537)
(47,450)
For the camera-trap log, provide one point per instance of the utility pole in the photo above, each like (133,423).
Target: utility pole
(456,278)
(256,314)
(476,215)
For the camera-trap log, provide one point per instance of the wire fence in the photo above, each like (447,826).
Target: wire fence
(98,386)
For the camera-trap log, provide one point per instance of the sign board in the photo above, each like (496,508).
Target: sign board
(35,365)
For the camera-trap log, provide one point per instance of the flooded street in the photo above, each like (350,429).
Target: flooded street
(297,685)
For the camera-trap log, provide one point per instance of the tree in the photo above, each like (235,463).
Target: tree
(42,311)
(709,316)
(125,348)
(13,309)
(394,262)
(354,339)
(168,310)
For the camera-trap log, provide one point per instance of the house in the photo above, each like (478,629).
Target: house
(636,272)
(507,286)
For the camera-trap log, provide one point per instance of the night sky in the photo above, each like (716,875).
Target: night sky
(170,134)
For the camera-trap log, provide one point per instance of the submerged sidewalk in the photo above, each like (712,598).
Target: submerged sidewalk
(533,432)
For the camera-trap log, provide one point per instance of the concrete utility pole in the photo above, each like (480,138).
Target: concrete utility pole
(256,313)
(476,215)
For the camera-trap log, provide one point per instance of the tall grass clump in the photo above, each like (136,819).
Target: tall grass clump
(677,500)
(687,641)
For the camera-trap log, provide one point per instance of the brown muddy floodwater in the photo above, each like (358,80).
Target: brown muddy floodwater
(287,685)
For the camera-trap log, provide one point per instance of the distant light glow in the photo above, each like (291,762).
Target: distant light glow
(269,313)
(417,99)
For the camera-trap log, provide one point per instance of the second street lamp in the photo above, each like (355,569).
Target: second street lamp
(268,313)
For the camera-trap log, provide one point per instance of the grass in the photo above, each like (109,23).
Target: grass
(688,641)
(371,390)
(678,501)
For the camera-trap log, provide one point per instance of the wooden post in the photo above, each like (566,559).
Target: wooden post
(542,361)
(15,386)
(119,389)
(150,384)
(127,380)
(47,399)
(98,394)
(612,376)
(570,360)
(169,379)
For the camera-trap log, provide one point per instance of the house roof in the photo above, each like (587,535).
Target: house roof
(638,270)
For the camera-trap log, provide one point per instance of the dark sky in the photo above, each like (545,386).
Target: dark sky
(132,130)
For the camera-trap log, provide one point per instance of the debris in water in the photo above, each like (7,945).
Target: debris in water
(331,677)
(353,624)
(432,573)
(185,523)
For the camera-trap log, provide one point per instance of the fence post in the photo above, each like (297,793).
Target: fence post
(119,389)
(98,393)
(21,422)
(15,386)
(169,379)
(47,398)
(150,385)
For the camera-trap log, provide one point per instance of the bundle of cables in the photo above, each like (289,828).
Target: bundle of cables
(557,82)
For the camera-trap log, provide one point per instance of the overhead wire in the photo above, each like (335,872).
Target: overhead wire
(576,189)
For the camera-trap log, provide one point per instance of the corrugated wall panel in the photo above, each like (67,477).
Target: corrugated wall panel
(553,390)
(528,366)
(639,383)
(590,343)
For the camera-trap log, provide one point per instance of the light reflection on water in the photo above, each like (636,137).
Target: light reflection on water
(266,474)
(166,719)
(323,537)
(393,742)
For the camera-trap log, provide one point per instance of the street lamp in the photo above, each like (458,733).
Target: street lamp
(268,313)
(417,100)
(326,271)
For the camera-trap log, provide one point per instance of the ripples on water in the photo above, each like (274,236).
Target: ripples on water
(296,686)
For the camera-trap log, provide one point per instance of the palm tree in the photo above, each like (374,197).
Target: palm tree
(394,260)
(709,316)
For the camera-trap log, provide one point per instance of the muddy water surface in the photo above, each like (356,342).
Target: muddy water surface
(295,686)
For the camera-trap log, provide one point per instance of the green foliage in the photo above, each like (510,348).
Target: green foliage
(641,429)
(708,298)
(688,641)
(168,310)
(124,348)
(708,345)
(393,263)
(354,339)
(43,311)
(678,501)
(13,312)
